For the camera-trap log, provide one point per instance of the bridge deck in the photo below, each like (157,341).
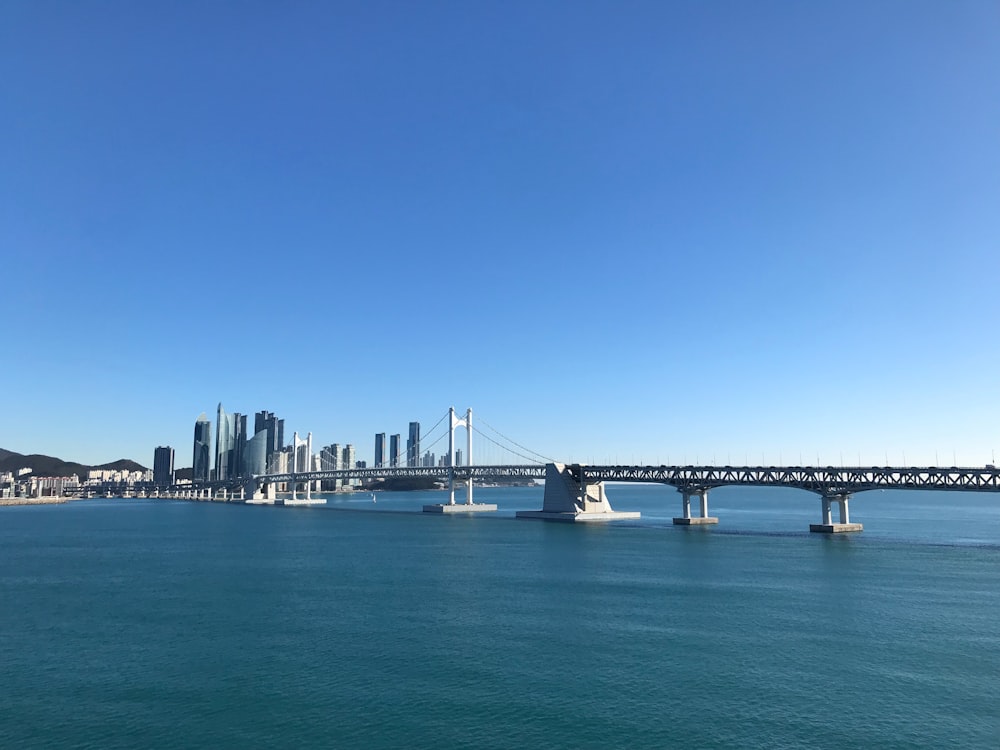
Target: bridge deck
(823,480)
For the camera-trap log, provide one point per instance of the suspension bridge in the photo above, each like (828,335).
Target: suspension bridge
(578,492)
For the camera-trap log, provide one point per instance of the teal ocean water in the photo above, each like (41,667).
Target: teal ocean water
(163,624)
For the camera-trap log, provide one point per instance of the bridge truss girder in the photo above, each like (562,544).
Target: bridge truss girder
(823,481)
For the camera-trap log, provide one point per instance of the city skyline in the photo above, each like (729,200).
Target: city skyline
(652,233)
(240,454)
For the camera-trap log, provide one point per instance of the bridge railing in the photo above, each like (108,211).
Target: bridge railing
(526,471)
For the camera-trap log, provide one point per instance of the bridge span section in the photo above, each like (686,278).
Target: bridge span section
(577,492)
(834,485)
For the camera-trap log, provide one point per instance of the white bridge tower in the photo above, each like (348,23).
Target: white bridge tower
(451,506)
(454,422)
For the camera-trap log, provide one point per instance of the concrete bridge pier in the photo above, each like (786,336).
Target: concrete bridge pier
(263,494)
(828,526)
(569,497)
(686,518)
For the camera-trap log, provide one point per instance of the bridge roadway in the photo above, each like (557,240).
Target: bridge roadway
(462,473)
(825,481)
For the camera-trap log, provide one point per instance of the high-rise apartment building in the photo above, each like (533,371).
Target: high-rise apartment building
(201,462)
(163,466)
(328,461)
(413,445)
(265,421)
(329,458)
(337,454)
(347,460)
(394,450)
(303,461)
(379,450)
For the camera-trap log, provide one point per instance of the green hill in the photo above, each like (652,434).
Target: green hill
(50,466)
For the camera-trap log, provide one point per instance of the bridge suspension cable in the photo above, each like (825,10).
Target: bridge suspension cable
(488,439)
(402,456)
(544,459)
(426,448)
(443,417)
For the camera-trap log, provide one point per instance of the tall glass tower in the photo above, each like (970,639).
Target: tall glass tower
(413,445)
(379,450)
(224,442)
(238,463)
(256,454)
(201,463)
(394,450)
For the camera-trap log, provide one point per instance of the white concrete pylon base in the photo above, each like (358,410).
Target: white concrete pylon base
(302,501)
(581,517)
(835,528)
(696,521)
(460,508)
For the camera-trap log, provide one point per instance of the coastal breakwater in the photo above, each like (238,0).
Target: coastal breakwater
(33,500)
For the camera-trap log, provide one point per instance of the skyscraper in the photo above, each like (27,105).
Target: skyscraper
(201,462)
(394,450)
(347,462)
(256,454)
(224,434)
(329,459)
(413,445)
(379,450)
(238,465)
(265,421)
(163,466)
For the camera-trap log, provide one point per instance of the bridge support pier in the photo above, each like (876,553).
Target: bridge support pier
(568,497)
(295,499)
(686,518)
(828,526)
(265,494)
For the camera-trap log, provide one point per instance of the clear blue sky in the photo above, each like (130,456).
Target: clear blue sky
(619,231)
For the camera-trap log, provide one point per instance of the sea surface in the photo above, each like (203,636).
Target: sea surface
(172,624)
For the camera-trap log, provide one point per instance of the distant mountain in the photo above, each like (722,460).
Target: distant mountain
(122,464)
(50,466)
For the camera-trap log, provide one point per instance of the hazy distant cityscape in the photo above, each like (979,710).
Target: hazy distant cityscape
(228,453)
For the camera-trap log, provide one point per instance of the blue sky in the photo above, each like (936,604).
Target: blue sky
(619,231)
